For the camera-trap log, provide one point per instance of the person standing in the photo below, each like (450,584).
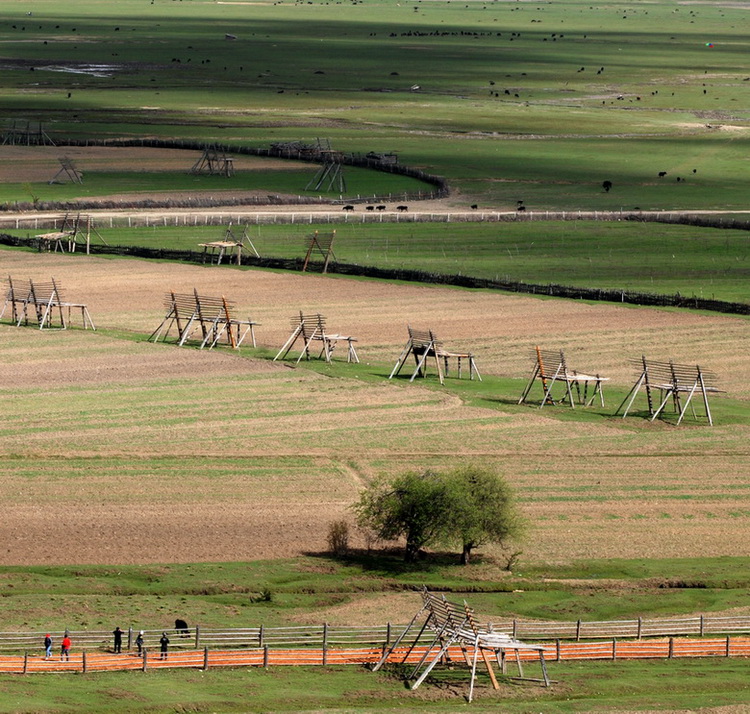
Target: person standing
(118,639)
(139,642)
(65,648)
(47,647)
(164,643)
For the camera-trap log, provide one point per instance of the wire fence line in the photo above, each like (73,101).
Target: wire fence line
(88,661)
(326,635)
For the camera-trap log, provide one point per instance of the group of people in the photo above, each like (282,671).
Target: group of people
(65,645)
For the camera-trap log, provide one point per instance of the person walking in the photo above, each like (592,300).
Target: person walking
(139,642)
(118,639)
(47,647)
(65,648)
(164,643)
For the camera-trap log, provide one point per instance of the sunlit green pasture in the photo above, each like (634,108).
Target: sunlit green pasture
(648,257)
(539,102)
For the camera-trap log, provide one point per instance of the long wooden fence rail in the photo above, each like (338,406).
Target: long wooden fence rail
(87,661)
(332,636)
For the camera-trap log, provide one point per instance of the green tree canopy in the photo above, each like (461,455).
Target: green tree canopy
(482,510)
(468,507)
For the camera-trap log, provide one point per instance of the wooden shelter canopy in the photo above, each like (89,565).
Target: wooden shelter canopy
(455,624)
(424,344)
(312,328)
(212,316)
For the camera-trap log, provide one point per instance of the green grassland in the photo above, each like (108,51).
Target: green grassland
(647,257)
(100,184)
(345,71)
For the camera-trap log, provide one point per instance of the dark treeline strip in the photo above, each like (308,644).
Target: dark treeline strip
(419,276)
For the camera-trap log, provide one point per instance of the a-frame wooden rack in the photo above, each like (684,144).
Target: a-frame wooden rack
(423,345)
(74,231)
(551,368)
(210,316)
(322,245)
(68,168)
(310,329)
(213,162)
(673,382)
(43,304)
(448,626)
(231,247)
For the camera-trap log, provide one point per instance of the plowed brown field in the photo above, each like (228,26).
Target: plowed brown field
(116,450)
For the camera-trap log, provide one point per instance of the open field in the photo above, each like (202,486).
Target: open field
(648,257)
(515,101)
(263,445)
(208,476)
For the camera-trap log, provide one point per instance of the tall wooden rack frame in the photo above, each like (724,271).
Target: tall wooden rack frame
(312,328)
(673,382)
(43,304)
(550,368)
(455,625)
(424,344)
(210,316)
(321,244)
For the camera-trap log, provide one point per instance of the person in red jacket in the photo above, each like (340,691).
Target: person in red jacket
(65,648)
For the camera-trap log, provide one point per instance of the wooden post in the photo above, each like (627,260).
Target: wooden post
(728,645)
(702,626)
(260,636)
(671,648)
(325,643)
(205,658)
(84,661)
(197,636)
(578,631)
(640,627)
(614,648)
(388,634)
(145,659)
(557,650)
(515,629)
(265,656)
(130,638)
(25,662)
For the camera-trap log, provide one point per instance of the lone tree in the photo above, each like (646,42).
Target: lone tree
(413,505)
(467,507)
(483,510)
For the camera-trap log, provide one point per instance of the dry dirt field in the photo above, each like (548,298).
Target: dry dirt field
(116,450)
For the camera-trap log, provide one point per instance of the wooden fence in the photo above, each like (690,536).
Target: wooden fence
(342,636)
(205,658)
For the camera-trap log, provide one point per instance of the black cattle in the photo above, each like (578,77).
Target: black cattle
(474,206)
(369,208)
(381,207)
(521,208)
(662,174)
(181,627)
(348,208)
(402,208)
(606,185)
